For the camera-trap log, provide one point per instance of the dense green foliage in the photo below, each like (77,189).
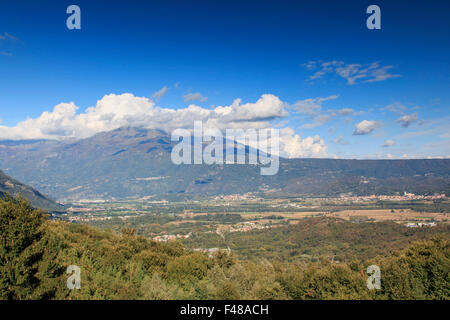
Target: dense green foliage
(314,238)
(20,233)
(35,253)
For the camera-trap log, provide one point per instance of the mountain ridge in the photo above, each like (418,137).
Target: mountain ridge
(135,162)
(15,188)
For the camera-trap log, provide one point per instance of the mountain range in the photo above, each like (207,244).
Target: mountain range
(15,188)
(135,162)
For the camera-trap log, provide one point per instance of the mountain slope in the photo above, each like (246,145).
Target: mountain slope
(134,162)
(13,187)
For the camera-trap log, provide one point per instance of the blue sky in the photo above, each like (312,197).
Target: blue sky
(354,92)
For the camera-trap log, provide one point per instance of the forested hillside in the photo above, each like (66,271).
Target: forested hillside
(36,251)
(314,238)
(11,186)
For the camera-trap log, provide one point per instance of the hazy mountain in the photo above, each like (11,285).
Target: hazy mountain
(130,162)
(37,200)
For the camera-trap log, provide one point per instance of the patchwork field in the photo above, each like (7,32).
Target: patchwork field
(376,215)
(388,215)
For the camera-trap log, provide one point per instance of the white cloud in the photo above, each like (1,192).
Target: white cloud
(408,119)
(389,143)
(366,127)
(159,94)
(268,107)
(194,97)
(292,146)
(353,73)
(7,36)
(395,108)
(346,111)
(340,140)
(318,121)
(312,106)
(114,111)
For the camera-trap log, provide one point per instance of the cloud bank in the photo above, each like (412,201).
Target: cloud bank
(115,111)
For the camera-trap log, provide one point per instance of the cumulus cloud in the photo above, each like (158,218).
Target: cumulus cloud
(353,73)
(159,94)
(114,111)
(194,97)
(366,127)
(292,146)
(389,143)
(408,119)
(268,107)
